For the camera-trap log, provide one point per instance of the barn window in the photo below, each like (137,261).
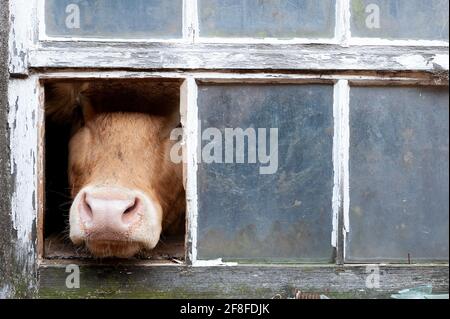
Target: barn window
(392,19)
(138,19)
(355,92)
(272,19)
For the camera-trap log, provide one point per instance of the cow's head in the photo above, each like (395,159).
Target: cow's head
(125,188)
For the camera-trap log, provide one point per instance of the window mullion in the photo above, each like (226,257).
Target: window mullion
(189,121)
(341,142)
(342,30)
(190,21)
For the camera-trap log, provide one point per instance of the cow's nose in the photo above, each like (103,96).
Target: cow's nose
(105,212)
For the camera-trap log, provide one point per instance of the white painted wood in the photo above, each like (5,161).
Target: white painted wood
(342,30)
(344,97)
(23,32)
(225,77)
(337,158)
(25,97)
(238,57)
(441,60)
(213,263)
(191,150)
(189,121)
(341,143)
(40,19)
(190,22)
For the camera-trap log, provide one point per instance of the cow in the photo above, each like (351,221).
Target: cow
(126,190)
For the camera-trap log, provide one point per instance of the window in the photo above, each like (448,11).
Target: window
(114,19)
(361,126)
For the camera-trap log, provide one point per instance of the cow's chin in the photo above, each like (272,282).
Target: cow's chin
(111,233)
(104,249)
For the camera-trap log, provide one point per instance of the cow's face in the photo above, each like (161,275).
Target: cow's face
(122,182)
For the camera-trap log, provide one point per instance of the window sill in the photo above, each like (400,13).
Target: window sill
(243,281)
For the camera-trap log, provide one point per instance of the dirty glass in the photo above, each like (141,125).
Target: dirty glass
(267,18)
(399,172)
(284,215)
(114,18)
(400,19)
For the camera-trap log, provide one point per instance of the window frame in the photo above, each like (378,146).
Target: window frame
(348,60)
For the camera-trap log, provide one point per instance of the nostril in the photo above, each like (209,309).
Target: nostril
(131,208)
(86,210)
(130,215)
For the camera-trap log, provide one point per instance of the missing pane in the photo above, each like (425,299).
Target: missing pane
(109,183)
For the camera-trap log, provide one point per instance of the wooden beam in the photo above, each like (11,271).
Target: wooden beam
(253,281)
(102,55)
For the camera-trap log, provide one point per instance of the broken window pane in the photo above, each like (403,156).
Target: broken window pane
(137,19)
(285,214)
(399,192)
(267,18)
(400,19)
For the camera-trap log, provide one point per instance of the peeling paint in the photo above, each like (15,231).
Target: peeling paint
(342,28)
(22,17)
(413,61)
(213,262)
(189,121)
(236,57)
(423,62)
(23,144)
(341,139)
(441,60)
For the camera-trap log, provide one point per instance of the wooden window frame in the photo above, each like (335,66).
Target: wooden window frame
(343,61)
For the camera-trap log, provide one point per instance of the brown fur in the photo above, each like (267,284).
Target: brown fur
(123,140)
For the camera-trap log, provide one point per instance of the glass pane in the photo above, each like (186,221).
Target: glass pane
(399,157)
(114,18)
(267,18)
(284,216)
(400,19)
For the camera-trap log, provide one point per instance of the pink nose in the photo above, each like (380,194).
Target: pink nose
(109,215)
